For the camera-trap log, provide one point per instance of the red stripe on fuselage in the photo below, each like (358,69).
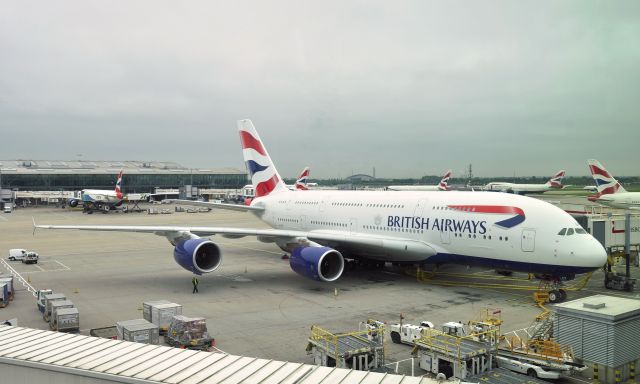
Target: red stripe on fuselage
(248,141)
(488,209)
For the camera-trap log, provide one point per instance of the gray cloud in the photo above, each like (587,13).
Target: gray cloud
(411,88)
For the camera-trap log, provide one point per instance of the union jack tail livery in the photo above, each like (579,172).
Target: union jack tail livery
(119,185)
(301,183)
(606,184)
(444,183)
(263,173)
(556,180)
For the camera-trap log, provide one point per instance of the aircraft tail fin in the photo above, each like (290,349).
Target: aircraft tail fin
(301,182)
(263,173)
(444,183)
(119,185)
(556,180)
(606,184)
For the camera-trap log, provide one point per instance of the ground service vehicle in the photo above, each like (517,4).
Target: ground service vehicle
(526,368)
(408,333)
(21,254)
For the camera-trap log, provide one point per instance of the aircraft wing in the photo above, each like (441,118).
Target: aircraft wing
(210,204)
(372,242)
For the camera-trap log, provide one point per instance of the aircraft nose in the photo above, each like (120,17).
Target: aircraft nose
(593,254)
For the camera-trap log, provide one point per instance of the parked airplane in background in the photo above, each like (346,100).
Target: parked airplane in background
(609,191)
(521,189)
(100,199)
(442,186)
(301,182)
(249,191)
(322,228)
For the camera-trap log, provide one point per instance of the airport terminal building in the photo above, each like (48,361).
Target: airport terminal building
(139,176)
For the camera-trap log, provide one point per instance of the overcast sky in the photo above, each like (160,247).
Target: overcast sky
(408,87)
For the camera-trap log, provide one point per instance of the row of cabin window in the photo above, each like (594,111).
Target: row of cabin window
(326,223)
(287,220)
(485,237)
(393,229)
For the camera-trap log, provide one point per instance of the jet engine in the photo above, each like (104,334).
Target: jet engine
(73,203)
(198,255)
(318,263)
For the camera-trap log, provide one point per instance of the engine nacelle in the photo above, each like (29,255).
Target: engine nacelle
(73,203)
(318,263)
(198,255)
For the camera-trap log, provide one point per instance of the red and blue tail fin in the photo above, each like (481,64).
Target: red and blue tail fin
(263,173)
(444,183)
(301,182)
(606,184)
(556,180)
(119,185)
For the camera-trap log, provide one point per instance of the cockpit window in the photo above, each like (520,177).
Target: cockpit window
(569,231)
(581,231)
(562,231)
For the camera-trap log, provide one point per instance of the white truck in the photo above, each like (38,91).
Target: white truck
(23,255)
(408,333)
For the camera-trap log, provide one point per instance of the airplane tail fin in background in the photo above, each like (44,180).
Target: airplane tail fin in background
(444,183)
(263,173)
(556,180)
(606,184)
(119,185)
(301,183)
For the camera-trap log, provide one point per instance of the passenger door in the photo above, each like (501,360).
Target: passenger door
(528,240)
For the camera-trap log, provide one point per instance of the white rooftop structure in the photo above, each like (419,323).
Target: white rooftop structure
(31,355)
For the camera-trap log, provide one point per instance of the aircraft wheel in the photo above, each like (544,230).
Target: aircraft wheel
(563,294)
(554,296)
(395,337)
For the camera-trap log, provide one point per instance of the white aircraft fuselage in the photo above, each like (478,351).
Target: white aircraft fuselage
(623,200)
(518,188)
(474,228)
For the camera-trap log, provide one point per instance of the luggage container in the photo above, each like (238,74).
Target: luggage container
(189,332)
(120,325)
(146,308)
(7,278)
(56,306)
(66,320)
(4,295)
(162,314)
(48,299)
(141,333)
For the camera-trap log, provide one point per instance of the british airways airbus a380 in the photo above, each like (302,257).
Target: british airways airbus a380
(320,228)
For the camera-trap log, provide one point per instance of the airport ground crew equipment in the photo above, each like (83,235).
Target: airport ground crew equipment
(40,300)
(360,350)
(66,320)
(189,333)
(57,305)
(48,300)
(407,333)
(554,291)
(139,331)
(447,354)
(8,279)
(160,313)
(4,295)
